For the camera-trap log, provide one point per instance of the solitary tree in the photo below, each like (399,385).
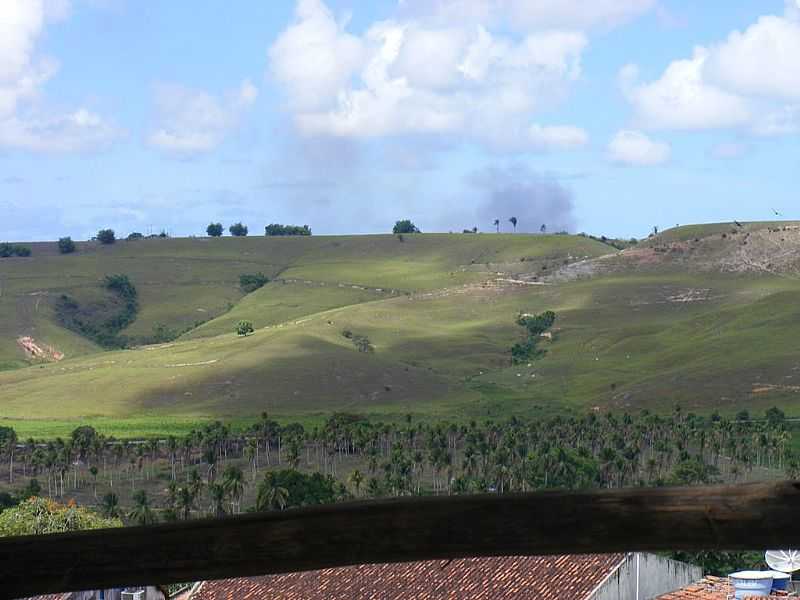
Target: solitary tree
(244,327)
(106,236)
(214,229)
(238,230)
(543,228)
(66,245)
(513,221)
(405,226)
(497,225)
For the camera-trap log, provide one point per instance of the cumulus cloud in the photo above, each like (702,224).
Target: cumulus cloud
(193,121)
(634,148)
(527,15)
(682,99)
(749,80)
(24,122)
(535,199)
(411,77)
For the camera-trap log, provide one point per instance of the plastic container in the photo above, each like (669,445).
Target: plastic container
(751,584)
(780,581)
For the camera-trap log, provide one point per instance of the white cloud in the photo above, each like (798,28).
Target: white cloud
(749,81)
(558,136)
(193,121)
(78,131)
(634,148)
(529,15)
(315,58)
(24,123)
(409,77)
(682,99)
(764,60)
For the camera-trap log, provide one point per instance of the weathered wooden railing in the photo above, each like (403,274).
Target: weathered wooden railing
(747,516)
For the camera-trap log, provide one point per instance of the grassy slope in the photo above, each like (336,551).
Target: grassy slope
(623,340)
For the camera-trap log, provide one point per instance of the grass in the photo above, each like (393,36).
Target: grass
(623,340)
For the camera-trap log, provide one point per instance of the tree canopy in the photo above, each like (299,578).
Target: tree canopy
(36,516)
(405,226)
(238,230)
(274,229)
(66,245)
(106,236)
(214,229)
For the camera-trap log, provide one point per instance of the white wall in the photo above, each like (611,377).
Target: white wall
(657,576)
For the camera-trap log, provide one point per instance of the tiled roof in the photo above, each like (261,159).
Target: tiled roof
(571,577)
(709,588)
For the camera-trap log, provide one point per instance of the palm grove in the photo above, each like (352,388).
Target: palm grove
(216,470)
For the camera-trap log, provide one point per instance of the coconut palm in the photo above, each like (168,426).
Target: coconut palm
(271,495)
(513,221)
(141,513)
(110,505)
(217,495)
(233,484)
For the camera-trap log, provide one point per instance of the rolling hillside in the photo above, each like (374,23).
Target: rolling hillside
(705,316)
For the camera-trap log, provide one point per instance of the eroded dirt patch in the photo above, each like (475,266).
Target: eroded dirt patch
(38,351)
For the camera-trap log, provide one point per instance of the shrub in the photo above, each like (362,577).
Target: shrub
(66,245)
(8,250)
(36,516)
(135,236)
(405,226)
(274,229)
(535,326)
(250,282)
(214,229)
(238,230)
(106,236)
(244,327)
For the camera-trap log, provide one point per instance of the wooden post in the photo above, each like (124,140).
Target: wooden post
(750,516)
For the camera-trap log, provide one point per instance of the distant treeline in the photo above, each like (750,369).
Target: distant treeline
(7,250)
(618,243)
(281,230)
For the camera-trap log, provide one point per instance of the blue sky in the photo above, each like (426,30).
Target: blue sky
(346,116)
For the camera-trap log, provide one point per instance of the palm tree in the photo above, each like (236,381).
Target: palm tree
(356,479)
(233,483)
(271,495)
(497,225)
(217,495)
(185,501)
(93,471)
(141,513)
(110,505)
(513,221)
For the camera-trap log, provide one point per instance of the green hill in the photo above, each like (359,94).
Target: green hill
(696,319)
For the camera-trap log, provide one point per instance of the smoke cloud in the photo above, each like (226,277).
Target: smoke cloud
(535,199)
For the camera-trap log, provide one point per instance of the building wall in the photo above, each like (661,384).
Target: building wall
(657,575)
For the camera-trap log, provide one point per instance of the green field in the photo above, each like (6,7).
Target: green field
(439,310)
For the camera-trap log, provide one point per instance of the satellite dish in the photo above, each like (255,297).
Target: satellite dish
(786,561)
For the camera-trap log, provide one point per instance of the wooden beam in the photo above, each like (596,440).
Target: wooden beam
(751,516)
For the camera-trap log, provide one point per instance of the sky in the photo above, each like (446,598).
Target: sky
(609,117)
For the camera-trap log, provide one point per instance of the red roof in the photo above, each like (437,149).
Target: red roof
(571,577)
(709,588)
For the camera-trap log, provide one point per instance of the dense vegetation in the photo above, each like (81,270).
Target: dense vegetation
(535,326)
(103,321)
(7,250)
(218,470)
(106,236)
(250,282)
(66,245)
(214,230)
(274,229)
(238,230)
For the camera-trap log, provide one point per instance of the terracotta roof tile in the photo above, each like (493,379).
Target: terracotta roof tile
(520,577)
(709,588)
